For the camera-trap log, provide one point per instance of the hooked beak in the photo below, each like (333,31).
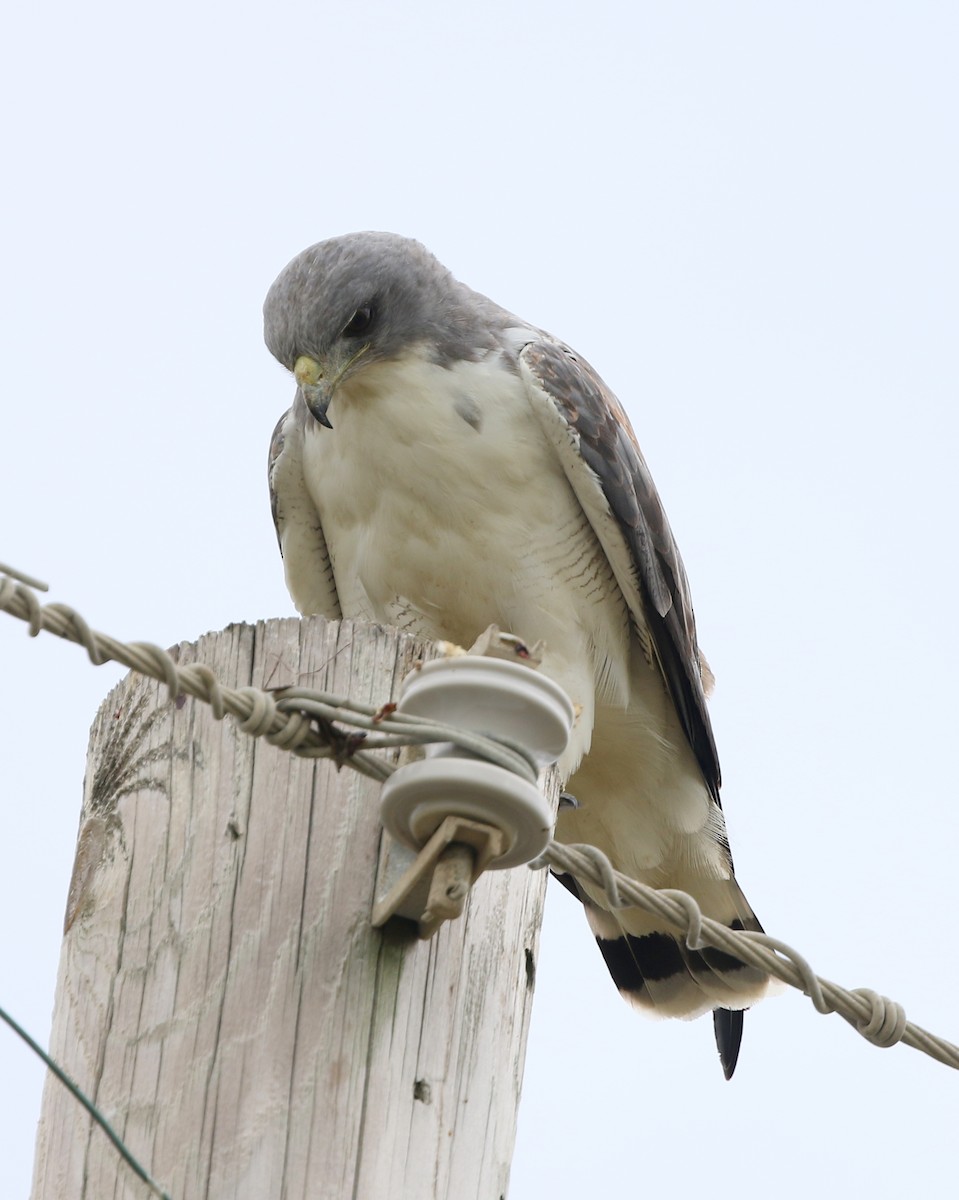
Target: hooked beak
(319,380)
(317,390)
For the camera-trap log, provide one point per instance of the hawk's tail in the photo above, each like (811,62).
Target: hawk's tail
(655,970)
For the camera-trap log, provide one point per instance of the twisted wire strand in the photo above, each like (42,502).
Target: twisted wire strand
(288,719)
(879,1020)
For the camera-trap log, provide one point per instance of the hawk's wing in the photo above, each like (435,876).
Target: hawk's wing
(604,465)
(306,558)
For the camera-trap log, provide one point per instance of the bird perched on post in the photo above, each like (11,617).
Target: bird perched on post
(446,466)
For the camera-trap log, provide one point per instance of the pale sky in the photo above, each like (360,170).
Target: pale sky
(744,215)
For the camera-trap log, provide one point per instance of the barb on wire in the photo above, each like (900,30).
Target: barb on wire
(88,1104)
(880,1021)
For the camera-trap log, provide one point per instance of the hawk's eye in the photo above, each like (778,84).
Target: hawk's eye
(359,323)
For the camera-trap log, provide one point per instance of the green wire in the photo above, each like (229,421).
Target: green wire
(87,1104)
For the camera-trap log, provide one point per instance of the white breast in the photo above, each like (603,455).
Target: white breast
(445,510)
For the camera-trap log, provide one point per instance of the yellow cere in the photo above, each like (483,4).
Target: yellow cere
(307,371)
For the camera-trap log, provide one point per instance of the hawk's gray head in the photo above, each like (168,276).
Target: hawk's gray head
(363,298)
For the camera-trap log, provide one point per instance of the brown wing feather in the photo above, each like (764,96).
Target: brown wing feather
(609,448)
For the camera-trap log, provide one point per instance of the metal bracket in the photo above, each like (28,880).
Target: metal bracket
(433,889)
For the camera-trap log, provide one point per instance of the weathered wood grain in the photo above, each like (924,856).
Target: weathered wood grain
(222,995)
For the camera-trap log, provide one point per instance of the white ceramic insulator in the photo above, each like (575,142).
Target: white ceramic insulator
(492,697)
(417,798)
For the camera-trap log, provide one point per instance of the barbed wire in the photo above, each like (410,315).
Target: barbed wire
(301,720)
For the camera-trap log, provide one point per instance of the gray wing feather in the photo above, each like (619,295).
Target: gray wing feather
(606,470)
(306,558)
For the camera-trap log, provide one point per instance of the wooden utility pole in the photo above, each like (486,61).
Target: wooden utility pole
(222,996)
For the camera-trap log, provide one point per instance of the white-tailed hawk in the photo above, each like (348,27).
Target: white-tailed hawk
(446,466)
